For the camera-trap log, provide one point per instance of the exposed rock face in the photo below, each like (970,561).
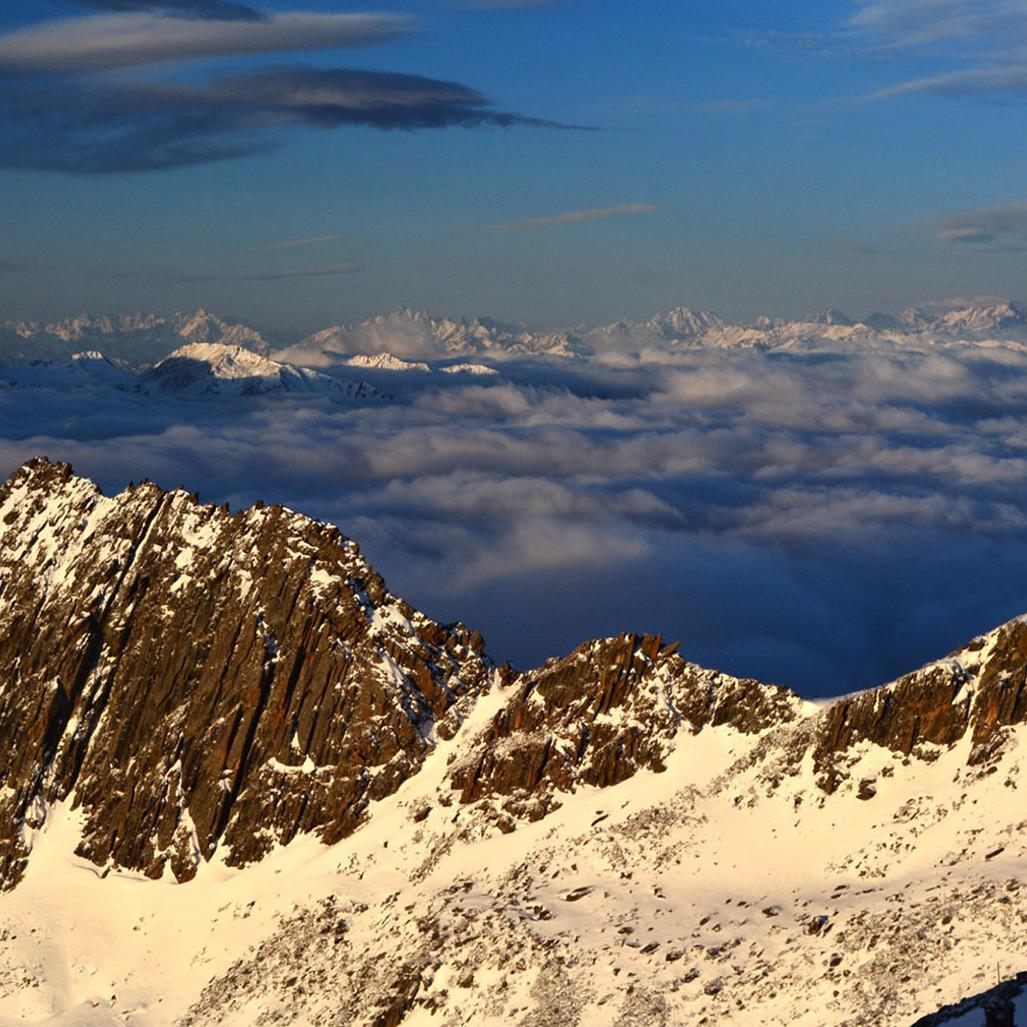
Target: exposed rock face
(603,713)
(194,679)
(979,689)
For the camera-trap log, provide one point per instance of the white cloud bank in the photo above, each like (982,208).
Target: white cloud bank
(826,519)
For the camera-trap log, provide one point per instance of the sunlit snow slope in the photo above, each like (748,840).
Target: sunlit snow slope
(619,837)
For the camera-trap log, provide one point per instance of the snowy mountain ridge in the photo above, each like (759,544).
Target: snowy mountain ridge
(136,338)
(419,336)
(204,367)
(375,825)
(195,370)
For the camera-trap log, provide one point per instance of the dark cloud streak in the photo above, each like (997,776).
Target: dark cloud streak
(983,226)
(289,274)
(215,10)
(76,128)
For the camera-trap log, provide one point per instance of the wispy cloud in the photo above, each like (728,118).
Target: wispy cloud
(1007,80)
(293,244)
(980,227)
(988,37)
(328,271)
(706,106)
(281,275)
(508,5)
(330,97)
(105,41)
(861,249)
(575,217)
(220,10)
(925,22)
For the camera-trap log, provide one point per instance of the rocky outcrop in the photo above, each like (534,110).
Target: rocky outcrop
(618,705)
(611,708)
(193,680)
(978,690)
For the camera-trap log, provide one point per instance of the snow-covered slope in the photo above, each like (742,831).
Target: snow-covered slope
(618,837)
(204,368)
(89,368)
(724,889)
(386,362)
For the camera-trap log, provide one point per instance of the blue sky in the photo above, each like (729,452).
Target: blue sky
(746,157)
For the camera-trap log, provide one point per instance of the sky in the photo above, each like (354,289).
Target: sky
(552,163)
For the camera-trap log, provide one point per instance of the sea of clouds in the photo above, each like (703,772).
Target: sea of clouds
(828,520)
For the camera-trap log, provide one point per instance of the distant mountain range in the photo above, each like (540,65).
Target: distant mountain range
(134,338)
(415,335)
(195,370)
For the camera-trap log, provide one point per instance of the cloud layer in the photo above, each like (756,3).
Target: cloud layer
(829,520)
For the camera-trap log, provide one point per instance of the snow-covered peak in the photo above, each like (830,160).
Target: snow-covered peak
(386,362)
(881,322)
(480,370)
(684,323)
(206,327)
(225,361)
(204,367)
(88,368)
(981,320)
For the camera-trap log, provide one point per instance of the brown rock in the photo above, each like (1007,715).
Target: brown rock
(193,679)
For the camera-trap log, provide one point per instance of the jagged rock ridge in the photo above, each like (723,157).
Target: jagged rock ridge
(598,716)
(194,679)
(197,680)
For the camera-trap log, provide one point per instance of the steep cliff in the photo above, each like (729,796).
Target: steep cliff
(194,679)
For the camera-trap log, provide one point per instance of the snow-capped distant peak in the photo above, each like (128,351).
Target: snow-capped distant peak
(976,320)
(225,361)
(385,362)
(204,367)
(477,369)
(833,317)
(883,322)
(684,322)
